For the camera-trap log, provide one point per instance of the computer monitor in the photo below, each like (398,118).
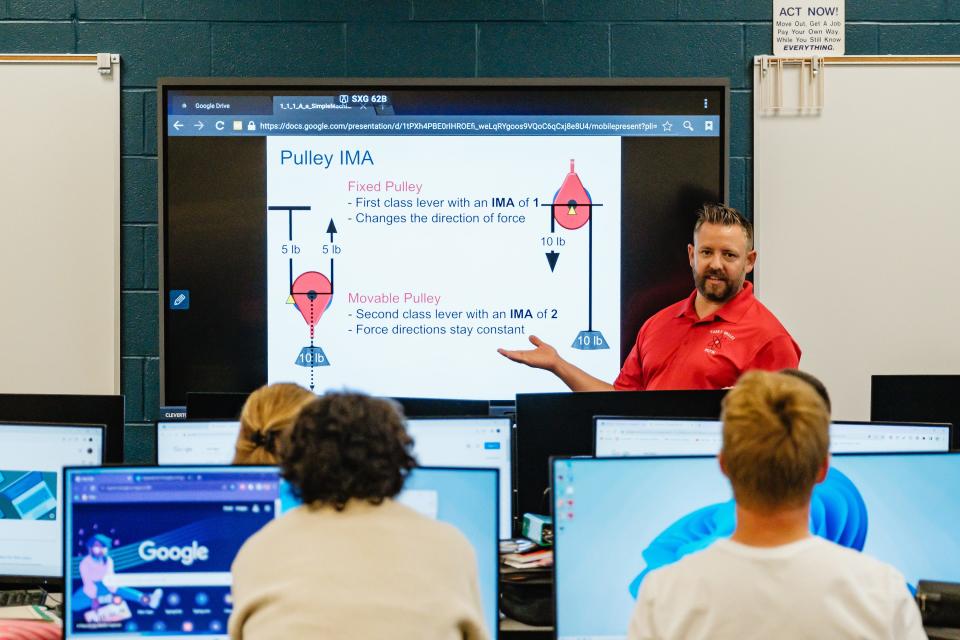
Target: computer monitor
(466,499)
(561,424)
(197,441)
(219,405)
(442,407)
(627,436)
(916,398)
(32,457)
(624,515)
(172,534)
(448,442)
(469,443)
(70,409)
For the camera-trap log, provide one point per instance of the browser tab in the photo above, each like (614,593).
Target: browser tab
(185,104)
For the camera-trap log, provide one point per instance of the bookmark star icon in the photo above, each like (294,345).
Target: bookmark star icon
(667,126)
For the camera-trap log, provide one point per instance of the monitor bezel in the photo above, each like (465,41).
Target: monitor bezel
(208,403)
(166,84)
(34,406)
(902,394)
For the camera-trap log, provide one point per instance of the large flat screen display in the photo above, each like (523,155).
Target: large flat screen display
(623,517)
(389,236)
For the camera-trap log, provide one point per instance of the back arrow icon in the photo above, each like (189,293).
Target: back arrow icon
(178,125)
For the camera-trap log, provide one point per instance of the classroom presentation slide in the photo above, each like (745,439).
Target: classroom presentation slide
(424,254)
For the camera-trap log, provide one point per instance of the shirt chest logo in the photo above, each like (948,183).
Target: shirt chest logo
(718,337)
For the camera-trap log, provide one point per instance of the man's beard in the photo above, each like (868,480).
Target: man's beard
(718,291)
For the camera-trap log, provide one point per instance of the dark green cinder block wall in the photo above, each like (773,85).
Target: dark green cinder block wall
(449,38)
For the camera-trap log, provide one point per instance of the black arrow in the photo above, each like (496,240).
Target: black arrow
(331,229)
(552,258)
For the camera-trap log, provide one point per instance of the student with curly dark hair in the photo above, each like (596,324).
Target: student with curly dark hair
(352,562)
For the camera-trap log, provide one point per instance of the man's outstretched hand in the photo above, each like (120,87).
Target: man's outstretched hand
(546,357)
(543,357)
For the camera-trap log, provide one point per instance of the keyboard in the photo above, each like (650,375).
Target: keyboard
(21,597)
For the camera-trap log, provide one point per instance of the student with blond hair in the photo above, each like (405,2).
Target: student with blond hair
(772,578)
(267,415)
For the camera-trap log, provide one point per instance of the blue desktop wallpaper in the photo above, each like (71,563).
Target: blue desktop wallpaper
(630,516)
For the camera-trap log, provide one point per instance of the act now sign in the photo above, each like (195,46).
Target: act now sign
(804,29)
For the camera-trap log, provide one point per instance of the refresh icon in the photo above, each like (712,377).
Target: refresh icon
(219,125)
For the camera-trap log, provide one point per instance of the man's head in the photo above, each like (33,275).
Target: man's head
(722,252)
(776,441)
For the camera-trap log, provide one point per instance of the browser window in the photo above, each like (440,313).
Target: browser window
(31,505)
(616,437)
(149,549)
(195,442)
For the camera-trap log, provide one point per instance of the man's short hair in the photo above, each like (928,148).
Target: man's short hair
(814,382)
(776,438)
(714,213)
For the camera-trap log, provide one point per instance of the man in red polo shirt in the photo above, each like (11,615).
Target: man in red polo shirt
(704,341)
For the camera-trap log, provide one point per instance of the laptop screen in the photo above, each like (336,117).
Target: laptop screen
(633,515)
(197,442)
(32,457)
(153,546)
(469,443)
(617,436)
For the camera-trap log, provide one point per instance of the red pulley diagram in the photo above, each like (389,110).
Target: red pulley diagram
(572,208)
(311,293)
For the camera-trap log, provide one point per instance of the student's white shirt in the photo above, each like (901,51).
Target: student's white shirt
(809,589)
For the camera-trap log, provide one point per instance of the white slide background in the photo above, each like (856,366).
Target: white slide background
(493,266)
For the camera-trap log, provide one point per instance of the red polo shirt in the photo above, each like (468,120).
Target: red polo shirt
(677,350)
